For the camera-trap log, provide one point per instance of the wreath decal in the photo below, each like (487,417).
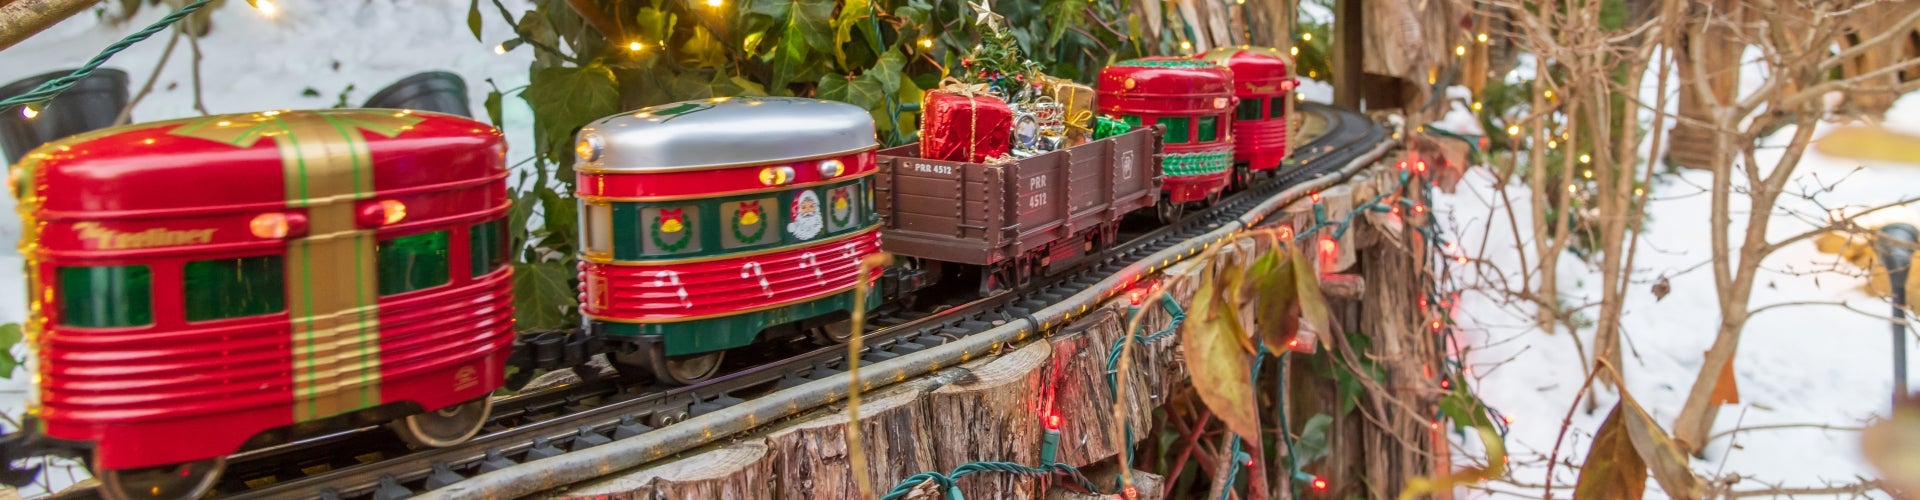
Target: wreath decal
(670,221)
(740,216)
(837,214)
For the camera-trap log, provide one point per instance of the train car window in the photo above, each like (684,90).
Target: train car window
(750,222)
(1279,110)
(596,228)
(1209,128)
(415,262)
(487,243)
(233,288)
(106,296)
(843,212)
(1177,129)
(670,230)
(1249,110)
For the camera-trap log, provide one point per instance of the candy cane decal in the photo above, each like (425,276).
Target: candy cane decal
(852,252)
(752,270)
(807,261)
(670,278)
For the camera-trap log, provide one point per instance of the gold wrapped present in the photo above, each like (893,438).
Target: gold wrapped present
(1077,99)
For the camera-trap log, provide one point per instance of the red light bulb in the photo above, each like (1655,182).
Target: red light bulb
(1420,167)
(1319,485)
(1315,196)
(1133,297)
(1053,422)
(1446,383)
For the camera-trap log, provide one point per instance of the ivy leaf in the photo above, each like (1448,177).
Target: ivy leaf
(748,87)
(805,26)
(1225,381)
(1062,14)
(1612,468)
(703,50)
(1313,440)
(561,219)
(654,24)
(1312,305)
(887,70)
(563,99)
(493,108)
(10,336)
(853,14)
(473,19)
(541,297)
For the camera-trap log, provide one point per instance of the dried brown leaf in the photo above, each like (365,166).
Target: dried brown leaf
(1613,470)
(1224,379)
(1664,457)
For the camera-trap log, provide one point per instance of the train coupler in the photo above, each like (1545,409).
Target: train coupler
(551,350)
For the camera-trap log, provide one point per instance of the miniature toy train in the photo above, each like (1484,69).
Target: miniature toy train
(209,285)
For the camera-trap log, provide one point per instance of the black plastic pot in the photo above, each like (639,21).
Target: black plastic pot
(90,105)
(436,91)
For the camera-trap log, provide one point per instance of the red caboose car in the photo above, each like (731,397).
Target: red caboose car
(1193,99)
(1264,86)
(213,284)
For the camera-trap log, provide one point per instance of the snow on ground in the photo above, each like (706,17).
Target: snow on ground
(254,62)
(1795,365)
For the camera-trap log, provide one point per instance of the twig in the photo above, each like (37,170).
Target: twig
(1567,421)
(1738,429)
(126,113)
(1855,488)
(199,104)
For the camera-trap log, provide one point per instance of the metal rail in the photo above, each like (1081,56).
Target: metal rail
(598,425)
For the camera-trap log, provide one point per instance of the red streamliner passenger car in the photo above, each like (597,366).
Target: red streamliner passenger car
(1264,87)
(205,285)
(1194,100)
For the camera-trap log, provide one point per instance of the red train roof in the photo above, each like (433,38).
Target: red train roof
(1256,70)
(1164,76)
(273,158)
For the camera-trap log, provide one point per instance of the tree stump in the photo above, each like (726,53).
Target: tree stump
(812,459)
(741,471)
(1078,392)
(1151,487)
(992,415)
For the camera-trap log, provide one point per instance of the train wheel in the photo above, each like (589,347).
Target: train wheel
(447,426)
(1167,211)
(1242,177)
(183,480)
(1213,198)
(676,370)
(838,332)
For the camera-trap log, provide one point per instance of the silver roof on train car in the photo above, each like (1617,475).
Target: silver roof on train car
(723,132)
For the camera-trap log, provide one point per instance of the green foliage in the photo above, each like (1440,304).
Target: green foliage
(1313,440)
(10,336)
(565,98)
(1315,59)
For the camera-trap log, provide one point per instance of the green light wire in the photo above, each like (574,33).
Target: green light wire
(52,88)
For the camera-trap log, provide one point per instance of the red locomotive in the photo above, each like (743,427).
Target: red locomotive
(208,285)
(1193,101)
(707,223)
(1264,87)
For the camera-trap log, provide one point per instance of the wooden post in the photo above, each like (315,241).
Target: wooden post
(21,19)
(812,461)
(1349,31)
(739,471)
(991,416)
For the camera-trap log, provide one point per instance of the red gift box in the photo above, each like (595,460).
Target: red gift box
(964,124)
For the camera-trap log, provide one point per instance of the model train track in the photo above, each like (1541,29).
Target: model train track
(370,463)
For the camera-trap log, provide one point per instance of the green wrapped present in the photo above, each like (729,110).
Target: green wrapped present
(1106,126)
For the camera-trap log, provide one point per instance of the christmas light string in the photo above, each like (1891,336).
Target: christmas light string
(53,88)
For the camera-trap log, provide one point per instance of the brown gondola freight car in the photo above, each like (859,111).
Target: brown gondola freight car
(1019,219)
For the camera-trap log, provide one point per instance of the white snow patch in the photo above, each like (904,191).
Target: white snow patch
(1796,365)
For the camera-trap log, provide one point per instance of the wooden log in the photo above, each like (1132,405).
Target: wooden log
(1343,285)
(992,415)
(741,471)
(1150,487)
(1077,390)
(812,457)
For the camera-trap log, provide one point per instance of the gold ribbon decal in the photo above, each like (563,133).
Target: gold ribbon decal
(332,288)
